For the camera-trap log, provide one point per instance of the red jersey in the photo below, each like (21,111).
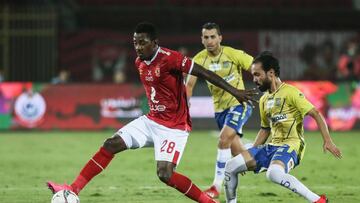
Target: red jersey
(163,81)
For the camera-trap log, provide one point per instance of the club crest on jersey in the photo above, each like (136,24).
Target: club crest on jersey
(226,64)
(157,71)
(277,101)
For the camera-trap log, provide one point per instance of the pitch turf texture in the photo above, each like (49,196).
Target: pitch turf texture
(28,159)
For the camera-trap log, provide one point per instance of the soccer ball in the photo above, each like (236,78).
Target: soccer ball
(65,196)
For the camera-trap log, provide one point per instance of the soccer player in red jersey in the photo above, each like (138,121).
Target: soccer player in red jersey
(166,127)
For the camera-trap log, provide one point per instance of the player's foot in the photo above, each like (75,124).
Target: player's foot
(212,192)
(204,198)
(54,187)
(322,199)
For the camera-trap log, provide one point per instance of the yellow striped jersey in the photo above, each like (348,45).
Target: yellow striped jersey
(228,65)
(283,111)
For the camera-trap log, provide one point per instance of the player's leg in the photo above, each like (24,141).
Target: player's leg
(237,146)
(238,164)
(166,173)
(130,136)
(283,161)
(224,154)
(229,144)
(169,145)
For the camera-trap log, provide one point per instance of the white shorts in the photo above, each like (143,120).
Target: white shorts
(169,144)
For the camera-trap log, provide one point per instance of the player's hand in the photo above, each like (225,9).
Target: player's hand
(247,96)
(331,147)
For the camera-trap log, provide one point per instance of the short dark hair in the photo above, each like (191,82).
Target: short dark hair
(268,62)
(148,28)
(211,25)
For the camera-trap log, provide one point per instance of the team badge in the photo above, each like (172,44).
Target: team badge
(277,101)
(226,64)
(157,72)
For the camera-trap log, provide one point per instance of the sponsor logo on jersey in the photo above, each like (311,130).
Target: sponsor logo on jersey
(214,67)
(184,61)
(278,118)
(155,106)
(160,107)
(149,76)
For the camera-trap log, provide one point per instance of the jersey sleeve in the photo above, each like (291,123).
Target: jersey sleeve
(264,120)
(197,58)
(182,63)
(298,99)
(242,58)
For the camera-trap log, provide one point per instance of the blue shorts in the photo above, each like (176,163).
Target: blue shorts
(264,154)
(234,117)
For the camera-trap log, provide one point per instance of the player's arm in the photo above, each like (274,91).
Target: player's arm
(262,136)
(244,59)
(240,95)
(190,84)
(265,129)
(328,143)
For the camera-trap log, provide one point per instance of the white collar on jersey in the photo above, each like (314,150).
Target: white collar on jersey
(153,58)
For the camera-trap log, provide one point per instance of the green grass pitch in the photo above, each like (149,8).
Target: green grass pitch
(28,159)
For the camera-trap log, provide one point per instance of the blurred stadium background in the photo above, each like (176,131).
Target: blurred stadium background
(77,57)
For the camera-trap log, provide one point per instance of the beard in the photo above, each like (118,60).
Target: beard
(265,86)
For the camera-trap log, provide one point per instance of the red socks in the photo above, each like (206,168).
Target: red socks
(102,159)
(185,186)
(93,167)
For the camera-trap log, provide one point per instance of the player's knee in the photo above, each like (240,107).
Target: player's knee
(270,175)
(114,144)
(164,175)
(274,173)
(225,141)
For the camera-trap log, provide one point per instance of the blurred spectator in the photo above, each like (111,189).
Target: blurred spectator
(183,50)
(349,62)
(312,71)
(109,64)
(119,77)
(327,59)
(62,78)
(2,78)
